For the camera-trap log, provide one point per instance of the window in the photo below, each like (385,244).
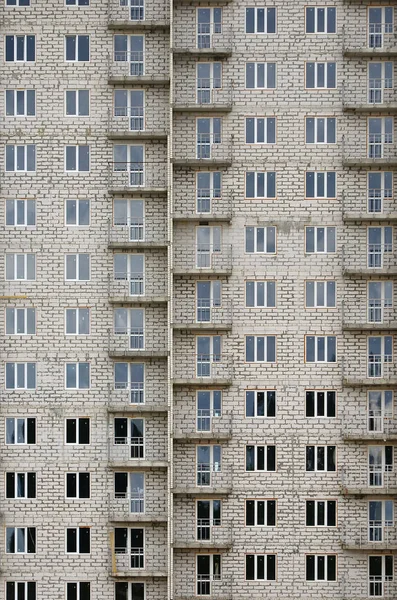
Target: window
(320,513)
(209,25)
(320,75)
(20,321)
(260,567)
(77,159)
(260,76)
(209,462)
(209,353)
(260,403)
(77,267)
(320,19)
(77,213)
(380,81)
(208,134)
(131,542)
(380,188)
(130,322)
(77,431)
(20,375)
(131,376)
(20,590)
(130,104)
(17,3)
(380,351)
(380,517)
(78,3)
(77,48)
(208,516)
(20,267)
(260,130)
(320,458)
(320,240)
(260,184)
(260,458)
(208,244)
(381,573)
(20,48)
(320,403)
(130,49)
(380,465)
(320,184)
(208,189)
(78,590)
(20,103)
(131,432)
(125,590)
(320,130)
(77,321)
(320,348)
(380,243)
(78,376)
(130,214)
(77,485)
(320,294)
(21,213)
(20,485)
(320,567)
(260,240)
(131,486)
(208,571)
(260,20)
(130,160)
(260,348)
(260,294)
(208,81)
(380,135)
(380,410)
(380,25)
(20,540)
(21,158)
(208,301)
(78,540)
(77,103)
(20,430)
(209,407)
(260,513)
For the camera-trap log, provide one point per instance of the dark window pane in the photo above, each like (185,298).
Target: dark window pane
(271,458)
(250,512)
(250,567)
(310,507)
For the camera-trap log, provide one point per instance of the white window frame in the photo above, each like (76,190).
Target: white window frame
(18,585)
(316,228)
(317,283)
(377,196)
(77,94)
(315,462)
(77,36)
(255,469)
(316,557)
(25,529)
(257,555)
(265,346)
(75,3)
(25,368)
(316,503)
(317,175)
(266,175)
(325,32)
(77,442)
(77,330)
(25,266)
(25,103)
(266,283)
(265,392)
(77,158)
(78,201)
(265,25)
(256,501)
(25,158)
(17,3)
(16,485)
(265,231)
(316,349)
(266,133)
(316,415)
(316,86)
(78,254)
(25,48)
(24,311)
(78,583)
(15,420)
(265,77)
(77,496)
(77,541)
(77,363)
(316,121)
(15,202)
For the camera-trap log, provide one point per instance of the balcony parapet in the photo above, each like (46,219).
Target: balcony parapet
(373,372)
(200,370)
(137,178)
(365,481)
(371,428)
(202,259)
(207,425)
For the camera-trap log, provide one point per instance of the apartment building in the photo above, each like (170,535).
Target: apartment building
(198,293)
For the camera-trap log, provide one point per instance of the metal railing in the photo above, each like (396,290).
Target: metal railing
(376,366)
(125,449)
(129,559)
(375,147)
(374,425)
(134,230)
(123,120)
(123,64)
(211,531)
(203,256)
(138,175)
(377,256)
(208,91)
(136,12)
(206,421)
(123,394)
(378,91)
(127,339)
(209,201)
(375,535)
(375,37)
(377,202)
(206,36)
(205,311)
(205,476)
(125,505)
(214,585)
(216,147)
(135,281)
(203,366)
(369,478)
(375,310)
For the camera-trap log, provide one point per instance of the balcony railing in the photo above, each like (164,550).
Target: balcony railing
(129,559)
(123,506)
(371,426)
(206,477)
(378,257)
(203,367)
(375,312)
(125,121)
(211,92)
(137,175)
(207,422)
(133,449)
(124,232)
(376,368)
(371,479)
(127,66)
(203,257)
(208,37)
(134,12)
(379,92)
(365,588)
(377,148)
(213,586)
(211,203)
(205,312)
(376,535)
(209,147)
(377,203)
(376,39)
(130,287)
(206,532)
(131,342)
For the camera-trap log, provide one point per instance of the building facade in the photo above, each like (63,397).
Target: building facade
(198,273)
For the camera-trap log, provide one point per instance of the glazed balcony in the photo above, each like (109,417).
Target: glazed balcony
(373,41)
(378,205)
(364,481)
(207,424)
(207,479)
(374,314)
(202,259)
(131,452)
(131,123)
(379,95)
(204,40)
(133,233)
(132,68)
(370,427)
(137,178)
(202,313)
(378,150)
(379,259)
(377,370)
(208,96)
(206,533)
(150,16)
(137,288)
(202,369)
(210,150)
(127,508)
(133,343)
(211,204)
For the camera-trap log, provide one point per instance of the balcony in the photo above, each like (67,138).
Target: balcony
(206,533)
(206,425)
(365,481)
(373,427)
(203,259)
(209,39)
(376,41)
(198,370)
(129,68)
(130,123)
(378,205)
(376,371)
(124,564)
(367,588)
(129,398)
(136,288)
(374,314)
(215,587)
(131,453)
(137,178)
(211,150)
(202,314)
(211,205)
(125,508)
(153,16)
(378,260)
(378,96)
(132,233)
(209,96)
(374,536)
(208,479)
(378,151)
(131,343)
